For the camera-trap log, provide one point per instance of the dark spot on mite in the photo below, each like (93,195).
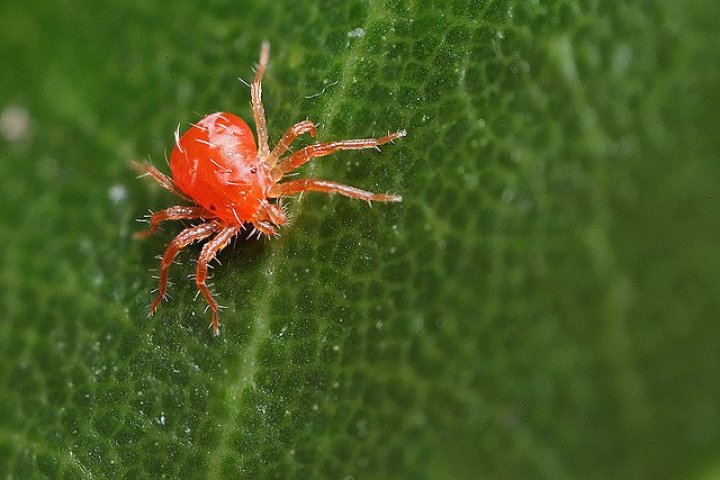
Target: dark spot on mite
(253,169)
(212,207)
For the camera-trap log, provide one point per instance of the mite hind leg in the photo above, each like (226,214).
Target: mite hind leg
(145,169)
(173,213)
(184,238)
(211,248)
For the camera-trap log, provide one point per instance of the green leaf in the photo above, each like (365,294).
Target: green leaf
(542,304)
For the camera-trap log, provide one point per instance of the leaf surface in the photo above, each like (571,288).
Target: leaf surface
(542,304)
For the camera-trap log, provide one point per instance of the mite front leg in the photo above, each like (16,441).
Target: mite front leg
(297,186)
(209,251)
(173,213)
(320,150)
(166,182)
(306,126)
(185,238)
(257,106)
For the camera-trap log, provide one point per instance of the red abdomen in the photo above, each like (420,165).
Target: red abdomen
(215,163)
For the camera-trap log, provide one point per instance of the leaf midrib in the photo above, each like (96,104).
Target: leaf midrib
(248,363)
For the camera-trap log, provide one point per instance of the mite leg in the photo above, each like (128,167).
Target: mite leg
(209,251)
(297,186)
(185,238)
(265,228)
(321,149)
(166,182)
(257,106)
(173,213)
(287,139)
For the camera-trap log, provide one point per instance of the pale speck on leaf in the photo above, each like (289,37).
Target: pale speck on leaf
(357,33)
(15,124)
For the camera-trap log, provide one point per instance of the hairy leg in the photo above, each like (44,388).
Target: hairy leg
(166,182)
(297,186)
(306,126)
(211,248)
(185,238)
(321,149)
(257,106)
(173,213)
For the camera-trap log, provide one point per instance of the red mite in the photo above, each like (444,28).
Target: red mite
(230,182)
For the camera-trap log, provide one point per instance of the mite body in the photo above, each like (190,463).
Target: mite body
(231,183)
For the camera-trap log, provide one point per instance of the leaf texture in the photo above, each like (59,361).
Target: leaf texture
(542,304)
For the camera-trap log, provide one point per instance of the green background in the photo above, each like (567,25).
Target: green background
(543,304)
